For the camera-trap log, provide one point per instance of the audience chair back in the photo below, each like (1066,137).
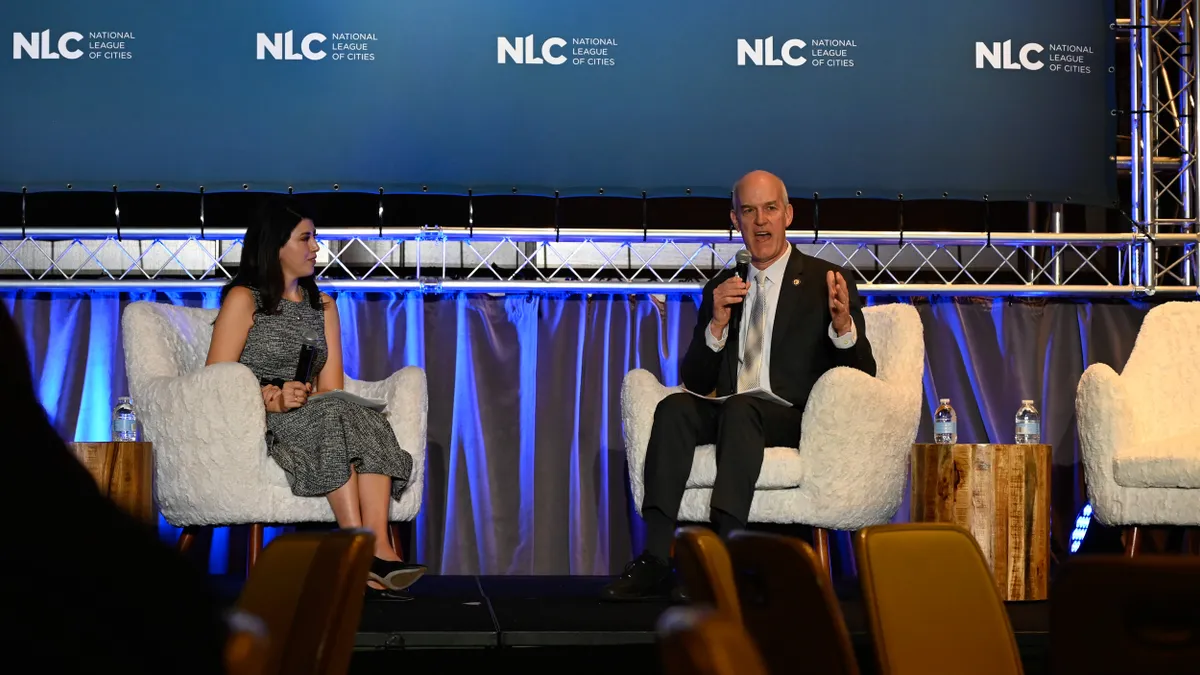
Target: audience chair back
(706,570)
(931,603)
(705,641)
(1112,614)
(788,605)
(308,588)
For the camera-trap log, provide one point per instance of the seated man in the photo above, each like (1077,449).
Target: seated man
(802,318)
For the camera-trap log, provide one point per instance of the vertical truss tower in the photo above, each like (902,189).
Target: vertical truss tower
(1160,39)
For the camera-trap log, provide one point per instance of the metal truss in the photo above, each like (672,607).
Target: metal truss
(595,261)
(1162,38)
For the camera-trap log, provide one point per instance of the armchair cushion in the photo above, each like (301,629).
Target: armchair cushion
(781,468)
(1169,463)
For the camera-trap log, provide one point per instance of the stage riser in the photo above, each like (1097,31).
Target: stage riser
(523,622)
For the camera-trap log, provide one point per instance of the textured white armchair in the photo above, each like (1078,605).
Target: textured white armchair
(208,427)
(1139,432)
(856,436)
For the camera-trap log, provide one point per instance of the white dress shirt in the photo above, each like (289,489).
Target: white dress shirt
(774,281)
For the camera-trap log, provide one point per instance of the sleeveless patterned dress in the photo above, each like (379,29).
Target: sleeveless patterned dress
(316,443)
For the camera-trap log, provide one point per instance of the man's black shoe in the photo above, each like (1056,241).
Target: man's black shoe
(645,578)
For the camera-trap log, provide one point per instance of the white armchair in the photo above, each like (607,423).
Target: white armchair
(855,440)
(208,427)
(1139,432)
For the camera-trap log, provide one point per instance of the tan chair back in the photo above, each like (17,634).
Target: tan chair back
(931,602)
(706,570)
(788,605)
(308,589)
(706,641)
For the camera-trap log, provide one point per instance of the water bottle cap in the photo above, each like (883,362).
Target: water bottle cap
(944,400)
(1027,400)
(125,398)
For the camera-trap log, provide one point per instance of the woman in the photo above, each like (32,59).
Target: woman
(327,447)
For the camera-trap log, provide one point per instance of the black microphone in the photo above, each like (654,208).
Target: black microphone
(308,348)
(742,268)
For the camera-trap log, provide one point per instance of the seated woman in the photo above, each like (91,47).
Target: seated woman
(328,446)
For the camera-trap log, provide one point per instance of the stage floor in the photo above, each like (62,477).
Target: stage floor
(556,613)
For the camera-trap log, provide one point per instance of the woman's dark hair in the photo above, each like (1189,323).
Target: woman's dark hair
(260,268)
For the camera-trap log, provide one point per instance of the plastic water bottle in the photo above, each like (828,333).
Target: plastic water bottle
(945,423)
(124,421)
(1029,424)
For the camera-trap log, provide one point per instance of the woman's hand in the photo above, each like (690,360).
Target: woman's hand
(271,394)
(291,396)
(294,395)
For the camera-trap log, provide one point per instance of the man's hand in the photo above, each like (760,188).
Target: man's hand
(839,302)
(731,292)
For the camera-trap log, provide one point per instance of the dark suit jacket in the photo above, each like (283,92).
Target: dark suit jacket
(801,350)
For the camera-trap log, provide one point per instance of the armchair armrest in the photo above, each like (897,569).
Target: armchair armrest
(1107,422)
(208,428)
(855,440)
(641,393)
(407,396)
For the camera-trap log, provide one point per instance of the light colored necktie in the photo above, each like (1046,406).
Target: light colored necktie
(748,374)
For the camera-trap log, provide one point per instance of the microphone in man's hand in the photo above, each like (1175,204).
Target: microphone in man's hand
(309,342)
(742,268)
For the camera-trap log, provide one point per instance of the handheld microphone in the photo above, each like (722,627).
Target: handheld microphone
(309,342)
(742,268)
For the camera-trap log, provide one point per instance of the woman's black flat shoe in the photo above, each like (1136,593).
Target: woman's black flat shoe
(395,575)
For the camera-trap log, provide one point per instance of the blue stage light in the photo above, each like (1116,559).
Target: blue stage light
(1081,526)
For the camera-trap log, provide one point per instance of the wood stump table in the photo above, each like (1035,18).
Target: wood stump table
(1001,495)
(125,474)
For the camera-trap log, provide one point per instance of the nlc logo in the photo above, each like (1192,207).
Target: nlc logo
(762,53)
(282,46)
(999,55)
(524,50)
(42,46)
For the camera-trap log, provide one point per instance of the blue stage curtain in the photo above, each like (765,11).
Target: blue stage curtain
(526,461)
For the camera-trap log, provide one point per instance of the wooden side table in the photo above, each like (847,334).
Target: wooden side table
(125,474)
(1001,495)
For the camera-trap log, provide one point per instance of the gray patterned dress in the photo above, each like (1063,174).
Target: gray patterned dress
(317,442)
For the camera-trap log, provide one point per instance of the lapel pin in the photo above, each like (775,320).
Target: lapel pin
(795,282)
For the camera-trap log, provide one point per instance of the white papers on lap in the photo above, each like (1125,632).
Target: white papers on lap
(757,392)
(371,403)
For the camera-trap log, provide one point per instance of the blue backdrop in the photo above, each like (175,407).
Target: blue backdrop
(1011,99)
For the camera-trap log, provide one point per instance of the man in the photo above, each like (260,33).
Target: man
(802,317)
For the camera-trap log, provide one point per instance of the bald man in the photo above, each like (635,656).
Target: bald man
(802,317)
